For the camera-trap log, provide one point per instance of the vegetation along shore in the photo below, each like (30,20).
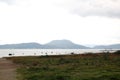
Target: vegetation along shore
(100,66)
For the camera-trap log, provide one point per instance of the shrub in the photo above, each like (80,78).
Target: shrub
(117,52)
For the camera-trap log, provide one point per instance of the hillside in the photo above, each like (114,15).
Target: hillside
(114,46)
(55,44)
(64,44)
(21,46)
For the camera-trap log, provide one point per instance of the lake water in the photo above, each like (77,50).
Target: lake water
(40,52)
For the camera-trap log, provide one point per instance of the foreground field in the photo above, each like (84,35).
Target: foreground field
(69,67)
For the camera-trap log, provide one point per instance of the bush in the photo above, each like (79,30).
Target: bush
(117,52)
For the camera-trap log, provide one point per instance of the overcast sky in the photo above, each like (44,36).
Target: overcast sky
(84,22)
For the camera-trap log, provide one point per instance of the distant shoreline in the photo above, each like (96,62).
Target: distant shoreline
(41,52)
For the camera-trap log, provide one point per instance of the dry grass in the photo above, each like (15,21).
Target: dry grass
(69,67)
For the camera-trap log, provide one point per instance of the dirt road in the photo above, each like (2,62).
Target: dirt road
(7,70)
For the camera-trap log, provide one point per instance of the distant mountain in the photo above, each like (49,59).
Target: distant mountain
(63,44)
(21,46)
(55,44)
(114,46)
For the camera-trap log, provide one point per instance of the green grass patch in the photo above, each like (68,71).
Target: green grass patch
(69,67)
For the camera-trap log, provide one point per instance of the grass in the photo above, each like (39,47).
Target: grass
(69,67)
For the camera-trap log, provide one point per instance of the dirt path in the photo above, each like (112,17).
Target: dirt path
(7,70)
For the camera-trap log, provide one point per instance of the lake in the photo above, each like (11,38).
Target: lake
(40,52)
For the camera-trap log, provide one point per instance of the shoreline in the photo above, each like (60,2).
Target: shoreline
(42,52)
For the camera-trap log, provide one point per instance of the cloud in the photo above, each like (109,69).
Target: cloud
(109,8)
(45,20)
(9,2)
(105,8)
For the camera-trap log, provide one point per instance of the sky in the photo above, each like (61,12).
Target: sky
(86,22)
